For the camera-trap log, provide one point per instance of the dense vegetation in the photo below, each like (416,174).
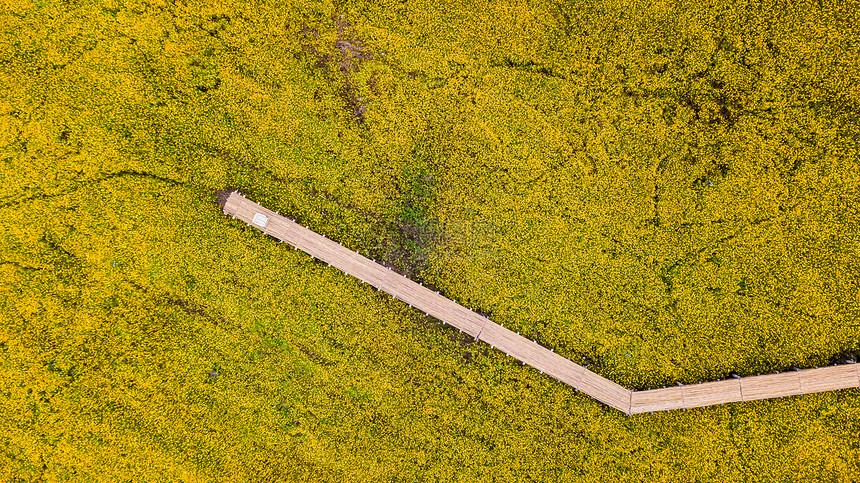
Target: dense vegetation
(665,192)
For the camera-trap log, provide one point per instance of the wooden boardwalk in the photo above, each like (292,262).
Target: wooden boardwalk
(481,328)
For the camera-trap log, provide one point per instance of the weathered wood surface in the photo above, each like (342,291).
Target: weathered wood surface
(531,353)
(711,393)
(770,385)
(664,399)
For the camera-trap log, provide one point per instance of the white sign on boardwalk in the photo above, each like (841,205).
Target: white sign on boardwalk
(260,220)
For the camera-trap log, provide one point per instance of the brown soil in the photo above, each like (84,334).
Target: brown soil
(339,61)
(222,195)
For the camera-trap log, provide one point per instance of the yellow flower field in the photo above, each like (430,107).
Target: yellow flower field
(664,192)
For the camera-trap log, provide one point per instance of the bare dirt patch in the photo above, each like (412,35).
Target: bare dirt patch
(340,61)
(222,195)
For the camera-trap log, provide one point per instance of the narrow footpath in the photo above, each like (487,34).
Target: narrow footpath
(527,351)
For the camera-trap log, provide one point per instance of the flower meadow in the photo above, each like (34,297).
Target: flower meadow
(664,192)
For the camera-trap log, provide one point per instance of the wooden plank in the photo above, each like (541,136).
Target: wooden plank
(531,353)
(665,399)
(358,266)
(829,378)
(433,304)
(711,393)
(605,391)
(770,386)
(308,241)
(527,351)
(452,313)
